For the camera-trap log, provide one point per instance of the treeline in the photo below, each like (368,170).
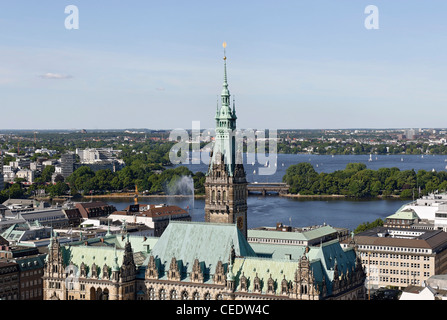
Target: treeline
(84,180)
(334,148)
(359,182)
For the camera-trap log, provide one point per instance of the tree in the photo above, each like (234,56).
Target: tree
(300,177)
(47,173)
(368,225)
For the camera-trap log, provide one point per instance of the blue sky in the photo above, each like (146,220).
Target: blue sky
(158,64)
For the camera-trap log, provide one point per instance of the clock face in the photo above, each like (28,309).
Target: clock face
(240,223)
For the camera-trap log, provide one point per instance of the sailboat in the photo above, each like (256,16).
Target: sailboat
(370,158)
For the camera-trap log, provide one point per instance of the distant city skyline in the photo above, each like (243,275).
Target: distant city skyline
(158,65)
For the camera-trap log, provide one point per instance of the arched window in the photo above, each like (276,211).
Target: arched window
(224,195)
(162,294)
(99,294)
(92,293)
(196,296)
(105,294)
(185,295)
(218,195)
(213,195)
(151,293)
(173,295)
(304,289)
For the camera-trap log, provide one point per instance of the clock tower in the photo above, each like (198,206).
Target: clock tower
(226,183)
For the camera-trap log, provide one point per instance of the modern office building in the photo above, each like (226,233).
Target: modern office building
(67,164)
(399,257)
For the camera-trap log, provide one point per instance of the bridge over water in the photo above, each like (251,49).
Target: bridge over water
(279,188)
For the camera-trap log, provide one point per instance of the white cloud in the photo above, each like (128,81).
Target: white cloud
(50,75)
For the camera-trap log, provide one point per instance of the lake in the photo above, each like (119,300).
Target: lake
(328,164)
(268,210)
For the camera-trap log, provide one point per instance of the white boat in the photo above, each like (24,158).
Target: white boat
(370,158)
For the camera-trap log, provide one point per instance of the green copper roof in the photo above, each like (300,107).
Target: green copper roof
(278,251)
(407,214)
(263,269)
(107,250)
(92,254)
(331,253)
(281,261)
(296,236)
(208,242)
(138,243)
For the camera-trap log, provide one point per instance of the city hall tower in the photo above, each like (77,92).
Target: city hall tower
(226,183)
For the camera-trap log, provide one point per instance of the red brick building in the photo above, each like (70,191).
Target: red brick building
(94,209)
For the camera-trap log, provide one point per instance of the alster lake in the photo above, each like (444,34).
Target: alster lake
(298,212)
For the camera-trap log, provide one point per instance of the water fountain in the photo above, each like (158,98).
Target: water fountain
(181,186)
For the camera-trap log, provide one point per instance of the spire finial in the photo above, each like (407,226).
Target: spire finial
(224,45)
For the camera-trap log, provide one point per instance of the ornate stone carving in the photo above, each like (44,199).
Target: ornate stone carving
(174,271)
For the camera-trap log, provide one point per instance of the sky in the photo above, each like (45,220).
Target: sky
(158,64)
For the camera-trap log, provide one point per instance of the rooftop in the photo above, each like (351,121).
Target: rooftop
(292,235)
(151,210)
(397,237)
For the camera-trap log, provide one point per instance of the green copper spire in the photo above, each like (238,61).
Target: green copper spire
(225,126)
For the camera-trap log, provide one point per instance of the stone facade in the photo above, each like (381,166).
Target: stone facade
(64,280)
(226,196)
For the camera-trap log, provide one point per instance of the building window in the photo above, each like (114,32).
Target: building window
(151,294)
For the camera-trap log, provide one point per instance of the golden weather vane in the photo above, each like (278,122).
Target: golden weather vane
(224,45)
